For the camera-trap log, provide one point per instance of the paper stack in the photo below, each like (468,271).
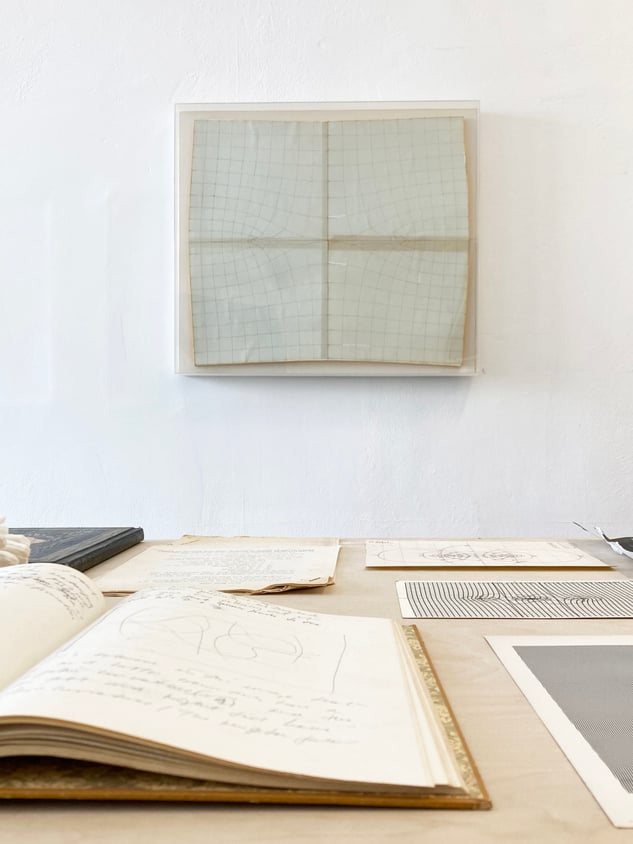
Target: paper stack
(14,548)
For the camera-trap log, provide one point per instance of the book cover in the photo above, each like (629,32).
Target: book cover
(78,547)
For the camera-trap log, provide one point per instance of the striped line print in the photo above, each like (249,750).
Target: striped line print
(520,599)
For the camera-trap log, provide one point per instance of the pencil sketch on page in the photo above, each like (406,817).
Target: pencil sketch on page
(247,647)
(476,553)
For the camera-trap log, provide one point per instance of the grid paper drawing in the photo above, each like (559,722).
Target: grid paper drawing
(397,305)
(266,303)
(397,178)
(329,240)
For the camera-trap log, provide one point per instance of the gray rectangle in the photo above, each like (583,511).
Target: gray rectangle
(593,685)
(581,687)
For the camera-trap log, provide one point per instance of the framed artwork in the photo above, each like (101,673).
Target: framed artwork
(326,239)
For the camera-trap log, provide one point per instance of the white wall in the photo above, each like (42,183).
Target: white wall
(96,428)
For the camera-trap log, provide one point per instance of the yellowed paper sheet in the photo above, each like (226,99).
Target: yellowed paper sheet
(237,564)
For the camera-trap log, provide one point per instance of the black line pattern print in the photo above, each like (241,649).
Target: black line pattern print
(518,599)
(593,685)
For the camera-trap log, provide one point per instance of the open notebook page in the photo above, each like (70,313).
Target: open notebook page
(41,606)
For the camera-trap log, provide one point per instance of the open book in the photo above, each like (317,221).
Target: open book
(196,694)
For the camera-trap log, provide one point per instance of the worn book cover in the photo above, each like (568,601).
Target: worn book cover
(78,547)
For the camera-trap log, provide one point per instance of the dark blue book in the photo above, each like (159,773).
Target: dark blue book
(78,547)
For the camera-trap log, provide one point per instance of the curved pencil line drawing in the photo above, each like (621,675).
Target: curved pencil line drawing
(338,665)
(463,554)
(256,649)
(238,642)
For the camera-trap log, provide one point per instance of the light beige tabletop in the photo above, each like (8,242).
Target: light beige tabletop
(537,795)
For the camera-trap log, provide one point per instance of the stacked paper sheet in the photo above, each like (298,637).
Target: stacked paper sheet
(14,548)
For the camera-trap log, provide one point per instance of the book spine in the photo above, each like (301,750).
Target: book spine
(87,558)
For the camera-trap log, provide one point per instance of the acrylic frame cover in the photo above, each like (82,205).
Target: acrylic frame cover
(224,127)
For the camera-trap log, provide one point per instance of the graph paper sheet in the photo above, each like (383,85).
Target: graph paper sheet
(329,240)
(515,599)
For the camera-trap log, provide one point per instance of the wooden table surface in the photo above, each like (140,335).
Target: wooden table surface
(537,795)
